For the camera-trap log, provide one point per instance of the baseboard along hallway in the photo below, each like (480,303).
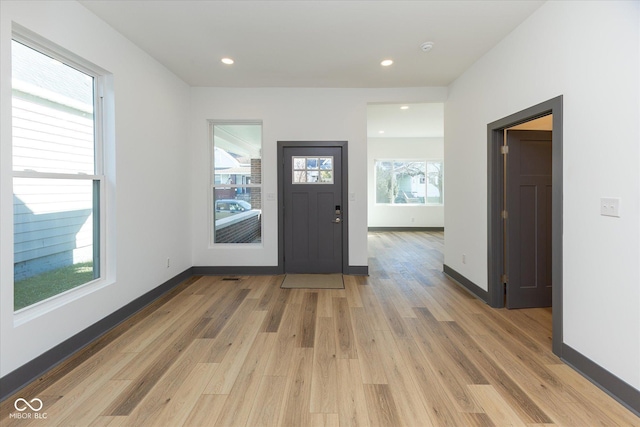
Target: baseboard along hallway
(405,346)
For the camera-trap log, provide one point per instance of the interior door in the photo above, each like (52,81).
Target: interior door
(528,205)
(313,210)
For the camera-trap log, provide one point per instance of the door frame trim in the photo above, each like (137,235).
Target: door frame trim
(495,186)
(343,145)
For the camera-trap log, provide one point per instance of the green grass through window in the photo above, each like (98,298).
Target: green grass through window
(37,288)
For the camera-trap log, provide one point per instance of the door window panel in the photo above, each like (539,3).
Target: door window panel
(312,170)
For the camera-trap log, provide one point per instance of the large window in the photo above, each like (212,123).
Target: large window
(409,182)
(57,172)
(236,184)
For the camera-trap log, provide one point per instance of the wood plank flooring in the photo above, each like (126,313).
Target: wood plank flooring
(403,347)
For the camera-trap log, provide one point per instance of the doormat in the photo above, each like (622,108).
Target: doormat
(313,281)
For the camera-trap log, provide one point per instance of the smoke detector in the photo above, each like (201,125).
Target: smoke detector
(426,46)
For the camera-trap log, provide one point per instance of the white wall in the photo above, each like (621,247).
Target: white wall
(589,53)
(401,215)
(147,164)
(294,114)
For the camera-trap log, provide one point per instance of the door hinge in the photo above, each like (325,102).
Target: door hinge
(504,278)
(504,149)
(504,215)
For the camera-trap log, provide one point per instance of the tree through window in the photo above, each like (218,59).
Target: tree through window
(404,182)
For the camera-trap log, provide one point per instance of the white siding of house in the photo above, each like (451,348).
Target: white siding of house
(51,137)
(53,221)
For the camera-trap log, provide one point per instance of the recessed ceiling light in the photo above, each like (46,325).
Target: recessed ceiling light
(404,107)
(386,62)
(381,131)
(227,61)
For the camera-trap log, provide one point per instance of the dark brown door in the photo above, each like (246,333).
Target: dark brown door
(312,210)
(528,246)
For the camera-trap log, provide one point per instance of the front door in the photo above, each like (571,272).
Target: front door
(313,211)
(529,218)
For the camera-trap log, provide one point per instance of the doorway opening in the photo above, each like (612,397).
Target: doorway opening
(405,166)
(501,242)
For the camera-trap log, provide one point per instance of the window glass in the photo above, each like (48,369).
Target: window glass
(312,170)
(237,183)
(435,174)
(56,185)
(401,182)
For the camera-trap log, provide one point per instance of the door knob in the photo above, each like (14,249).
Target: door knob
(337,221)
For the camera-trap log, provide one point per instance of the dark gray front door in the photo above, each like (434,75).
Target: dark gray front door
(312,210)
(529,219)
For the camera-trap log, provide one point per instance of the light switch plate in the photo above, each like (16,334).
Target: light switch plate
(610,206)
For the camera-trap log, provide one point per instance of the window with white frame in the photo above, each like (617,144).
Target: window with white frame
(236,182)
(409,182)
(58,181)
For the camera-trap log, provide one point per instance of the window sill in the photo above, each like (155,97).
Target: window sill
(53,303)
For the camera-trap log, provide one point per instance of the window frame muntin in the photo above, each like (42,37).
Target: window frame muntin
(306,170)
(441,161)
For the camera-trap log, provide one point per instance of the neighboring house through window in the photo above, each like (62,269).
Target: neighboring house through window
(409,182)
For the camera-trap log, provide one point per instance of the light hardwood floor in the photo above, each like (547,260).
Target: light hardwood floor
(402,347)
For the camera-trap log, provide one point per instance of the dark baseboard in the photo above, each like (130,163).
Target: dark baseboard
(358,270)
(625,394)
(30,371)
(405,229)
(355,270)
(466,283)
(21,377)
(236,271)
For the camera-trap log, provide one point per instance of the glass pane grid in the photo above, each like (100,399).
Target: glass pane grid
(312,170)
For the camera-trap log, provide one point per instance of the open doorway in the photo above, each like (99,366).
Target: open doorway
(501,241)
(405,166)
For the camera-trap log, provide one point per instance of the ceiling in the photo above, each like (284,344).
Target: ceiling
(314,43)
(416,121)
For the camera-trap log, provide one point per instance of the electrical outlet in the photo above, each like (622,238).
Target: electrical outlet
(610,206)
(168,262)
(413,219)
(464,258)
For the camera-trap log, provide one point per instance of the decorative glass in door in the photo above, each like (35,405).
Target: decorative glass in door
(312,170)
